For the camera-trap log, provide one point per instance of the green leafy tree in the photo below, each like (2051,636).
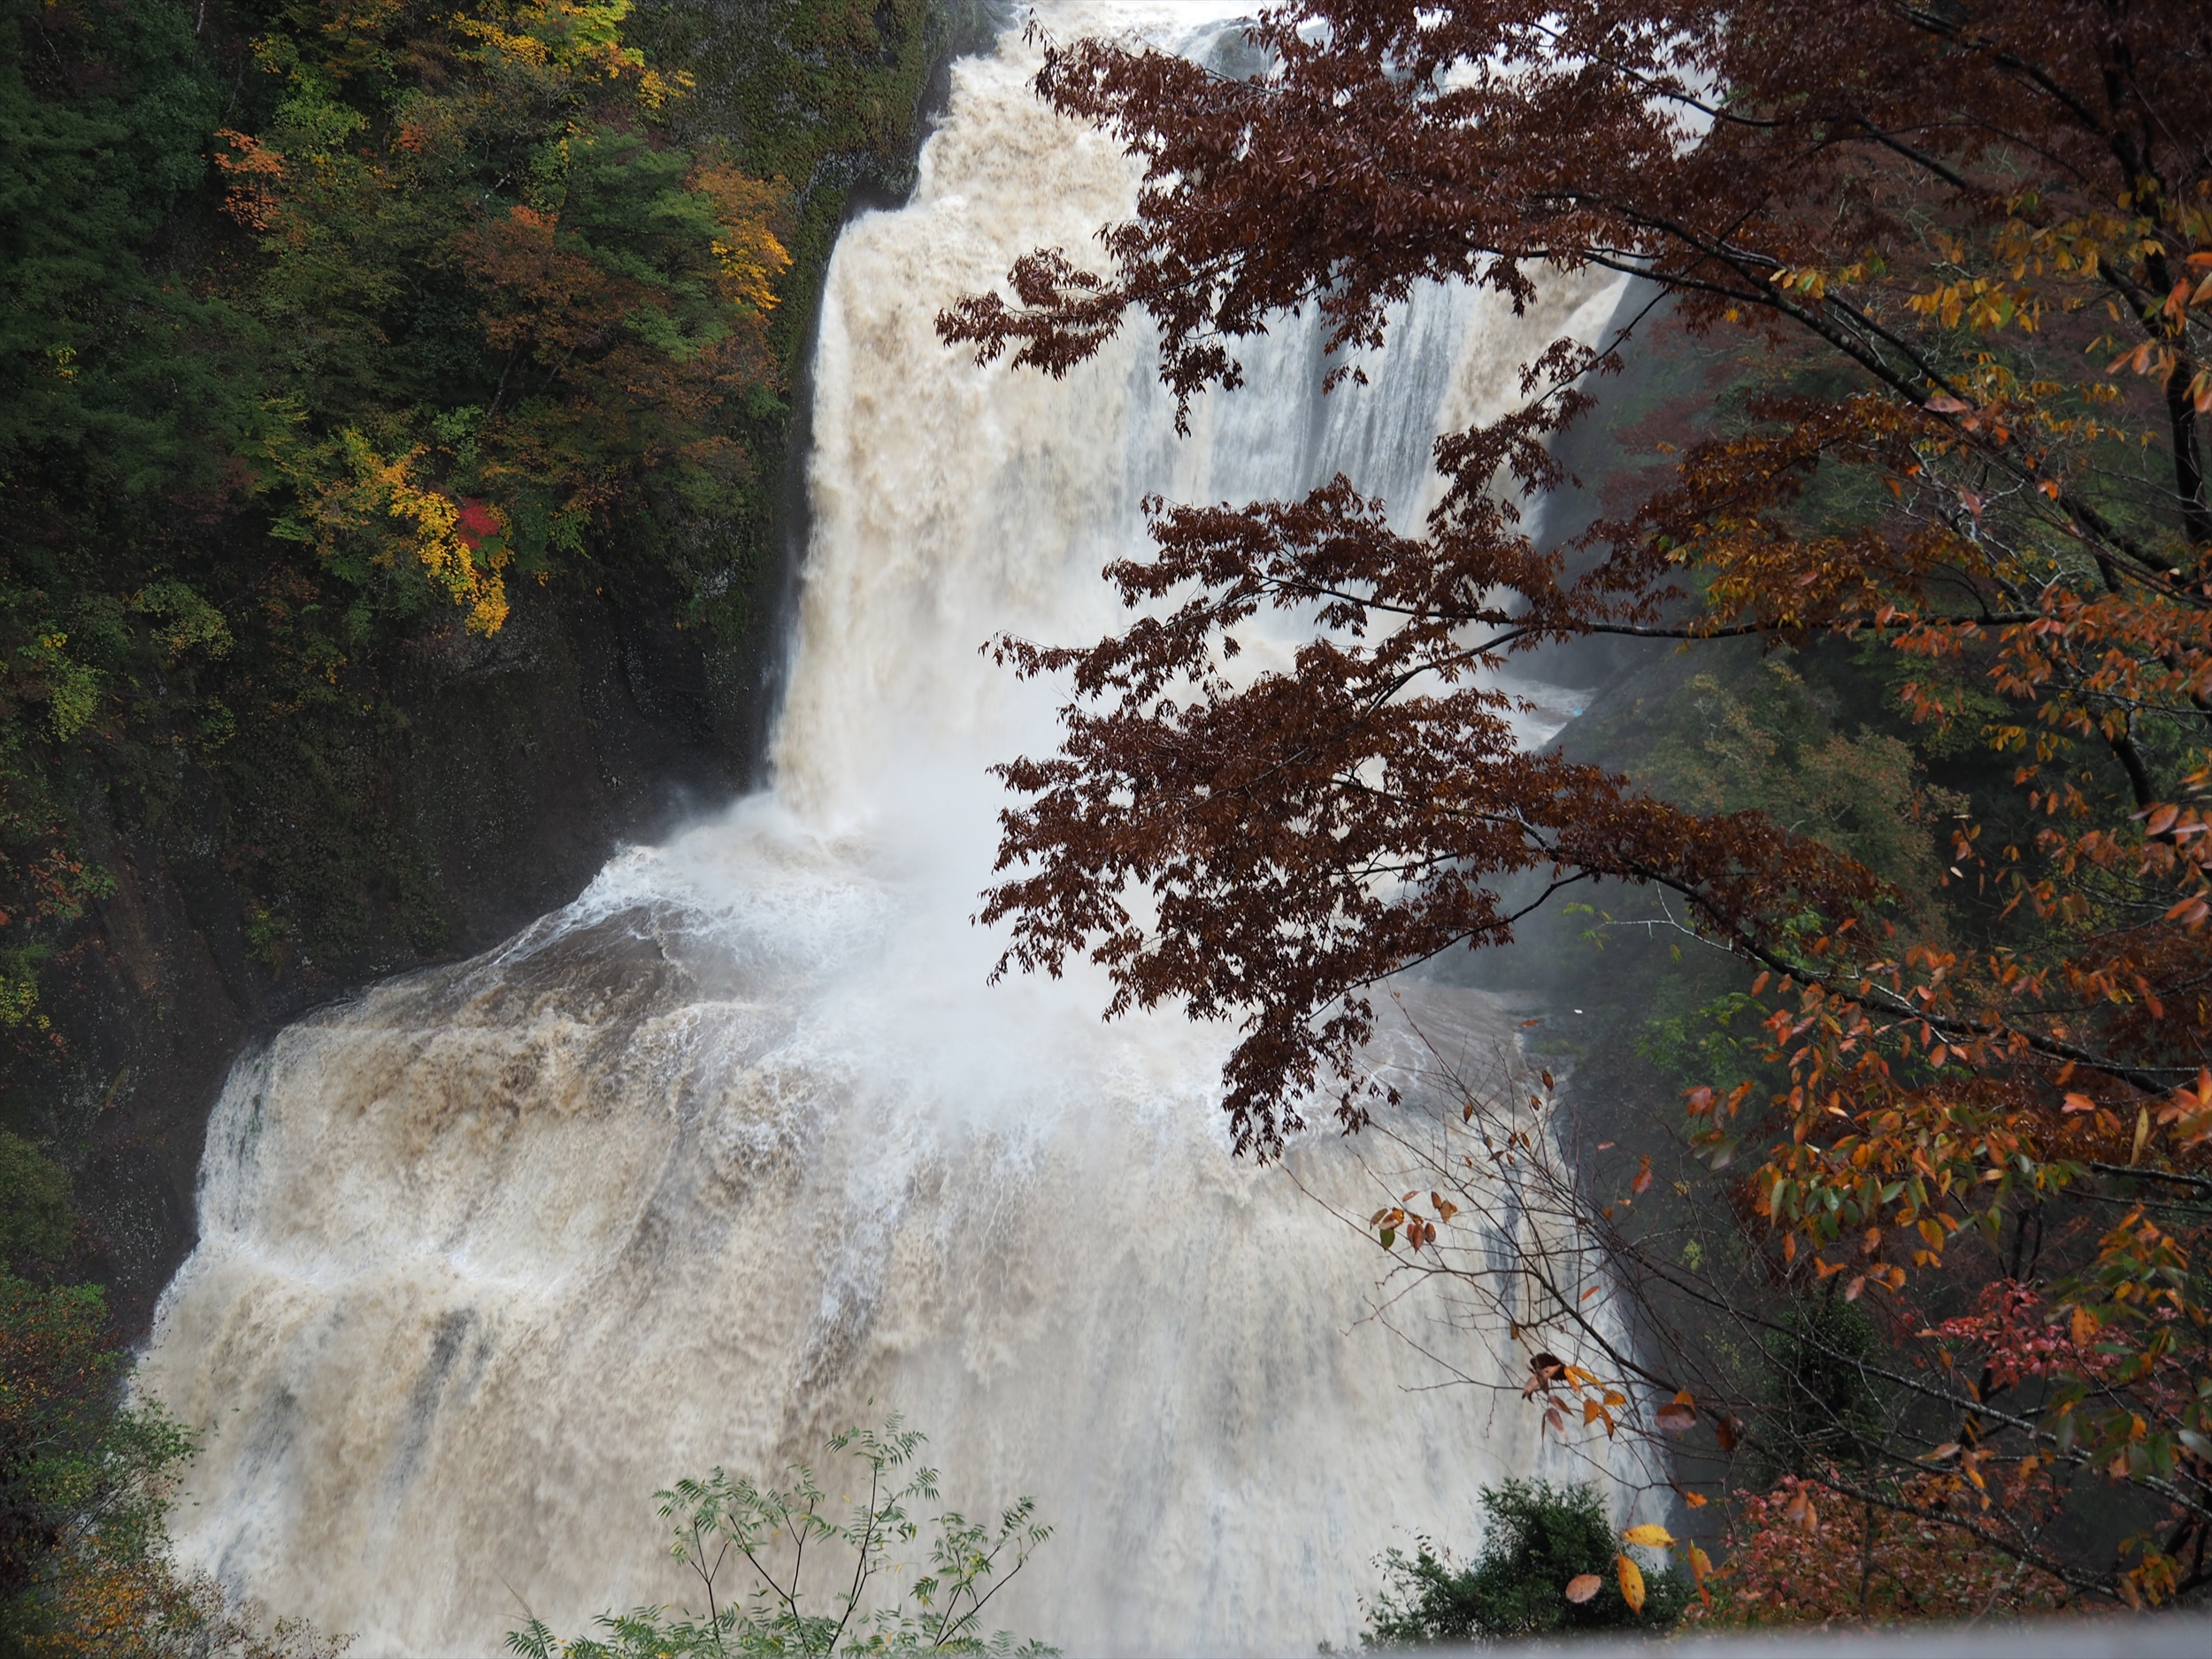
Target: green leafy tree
(720,1523)
(35,1219)
(87,1474)
(1543,1547)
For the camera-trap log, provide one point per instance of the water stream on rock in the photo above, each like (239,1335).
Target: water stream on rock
(739,1148)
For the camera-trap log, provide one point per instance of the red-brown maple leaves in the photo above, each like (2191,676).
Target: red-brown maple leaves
(1304,834)
(1961,260)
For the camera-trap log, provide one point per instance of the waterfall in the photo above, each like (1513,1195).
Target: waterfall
(739,1148)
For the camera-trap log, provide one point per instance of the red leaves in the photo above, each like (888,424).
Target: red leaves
(1805,1552)
(1255,814)
(474,524)
(1302,834)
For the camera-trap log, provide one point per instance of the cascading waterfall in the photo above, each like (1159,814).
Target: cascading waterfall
(739,1148)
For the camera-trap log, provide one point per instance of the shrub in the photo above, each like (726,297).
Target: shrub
(719,1522)
(1541,1538)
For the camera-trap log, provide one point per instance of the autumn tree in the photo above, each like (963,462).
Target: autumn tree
(1961,260)
(508,309)
(324,326)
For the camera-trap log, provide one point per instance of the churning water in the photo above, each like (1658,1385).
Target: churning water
(739,1148)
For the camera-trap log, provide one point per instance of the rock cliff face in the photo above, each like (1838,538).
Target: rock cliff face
(499,773)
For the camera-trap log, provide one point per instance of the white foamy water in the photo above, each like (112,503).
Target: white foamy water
(739,1148)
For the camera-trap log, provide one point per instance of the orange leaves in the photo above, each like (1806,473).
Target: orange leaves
(1700,1570)
(1599,1403)
(2188,1111)
(1678,1415)
(1582,1587)
(1420,1231)
(256,173)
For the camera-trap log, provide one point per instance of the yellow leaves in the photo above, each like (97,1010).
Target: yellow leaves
(1812,285)
(1981,304)
(463,560)
(448,559)
(1631,1578)
(1650,1534)
(746,247)
(572,42)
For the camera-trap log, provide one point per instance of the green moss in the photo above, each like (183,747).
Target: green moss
(35,1219)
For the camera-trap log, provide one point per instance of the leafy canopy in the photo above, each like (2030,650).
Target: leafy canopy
(1961,258)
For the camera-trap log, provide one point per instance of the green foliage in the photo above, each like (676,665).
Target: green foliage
(1761,741)
(105,110)
(72,1455)
(320,330)
(454,306)
(1824,1409)
(508,304)
(35,1219)
(85,1481)
(717,1522)
(1539,1539)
